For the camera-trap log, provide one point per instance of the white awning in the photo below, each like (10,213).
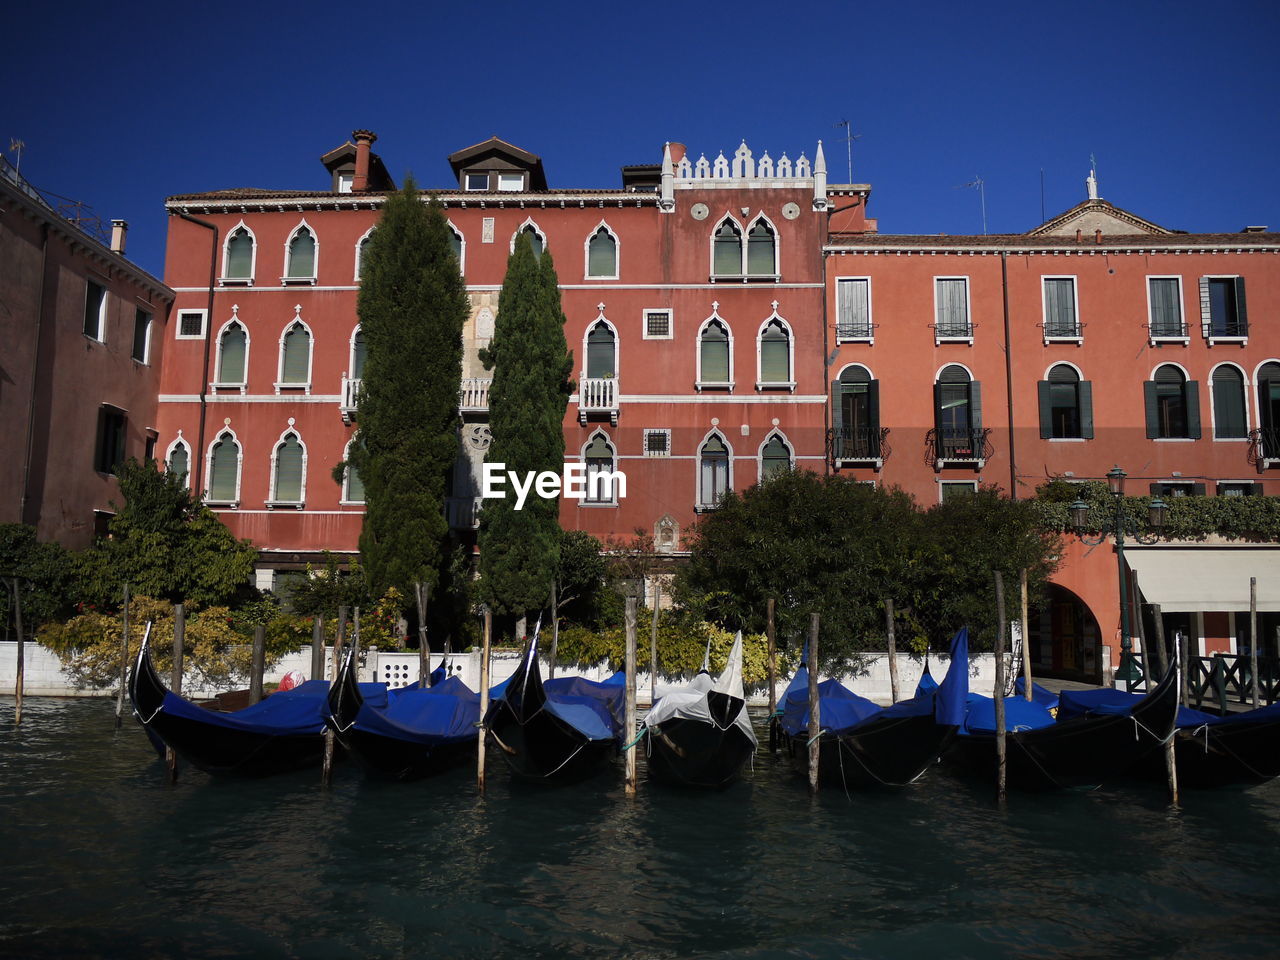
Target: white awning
(1207,579)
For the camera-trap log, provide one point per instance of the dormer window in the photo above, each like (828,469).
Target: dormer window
(510,182)
(343,181)
(477,181)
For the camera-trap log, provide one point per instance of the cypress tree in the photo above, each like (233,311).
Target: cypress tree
(531,363)
(412,308)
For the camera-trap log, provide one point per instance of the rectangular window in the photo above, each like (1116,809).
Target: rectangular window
(952,489)
(112,428)
(141,335)
(95,310)
(1173,489)
(1061,318)
(657,443)
(657,325)
(853,308)
(190,325)
(1239,488)
(1222,308)
(951,305)
(510,182)
(477,181)
(346,181)
(1164,295)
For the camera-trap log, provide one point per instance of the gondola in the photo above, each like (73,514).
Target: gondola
(1046,753)
(282,732)
(1237,750)
(862,744)
(564,729)
(700,735)
(418,732)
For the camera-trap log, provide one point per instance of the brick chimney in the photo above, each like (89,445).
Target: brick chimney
(119,229)
(364,140)
(678,150)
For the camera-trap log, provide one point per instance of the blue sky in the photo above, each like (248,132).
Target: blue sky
(121,105)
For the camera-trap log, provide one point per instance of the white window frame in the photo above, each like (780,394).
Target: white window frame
(204,322)
(466,181)
(1186,378)
(617,345)
(180,441)
(968,311)
(586,253)
(272,502)
(1152,337)
(462,245)
(699,383)
(586,479)
(100,336)
(742,251)
(644,323)
(226,281)
(1210,339)
(217,359)
(1219,484)
(346,182)
(871,326)
(761,384)
(351,353)
(508,187)
(777,249)
(146,347)
(280,385)
(1213,404)
(529,222)
(208,468)
(657,431)
(791,451)
(700,505)
(942,484)
(1078,336)
(345,499)
(286,280)
(359,252)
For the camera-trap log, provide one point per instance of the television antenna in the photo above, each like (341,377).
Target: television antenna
(16,146)
(977,183)
(849,137)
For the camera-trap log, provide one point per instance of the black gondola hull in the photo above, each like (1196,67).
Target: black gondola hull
(388,758)
(541,746)
(1231,754)
(697,753)
(881,752)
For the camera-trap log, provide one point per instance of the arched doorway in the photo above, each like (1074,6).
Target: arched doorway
(1064,638)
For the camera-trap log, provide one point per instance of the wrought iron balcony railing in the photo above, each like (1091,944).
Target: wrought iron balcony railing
(963,447)
(1264,447)
(1168,330)
(852,444)
(1232,328)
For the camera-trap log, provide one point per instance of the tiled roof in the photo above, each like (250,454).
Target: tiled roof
(1008,240)
(256,193)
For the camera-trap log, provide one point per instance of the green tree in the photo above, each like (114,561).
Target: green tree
(581,574)
(45,574)
(531,363)
(412,308)
(165,545)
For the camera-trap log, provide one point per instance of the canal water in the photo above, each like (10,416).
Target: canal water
(102,859)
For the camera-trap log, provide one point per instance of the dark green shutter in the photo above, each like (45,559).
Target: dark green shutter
(355,486)
(975,408)
(357,361)
(297,355)
(873,415)
(837,420)
(1149,401)
(601,255)
(179,462)
(1157,489)
(1242,314)
(1191,395)
(240,256)
(289,471)
(937,409)
(1264,405)
(1046,409)
(1085,394)
(231,366)
(222,471)
(1197,489)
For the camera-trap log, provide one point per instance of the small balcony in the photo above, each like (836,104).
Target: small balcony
(350,397)
(463,513)
(473,394)
(949,447)
(597,398)
(858,446)
(1264,448)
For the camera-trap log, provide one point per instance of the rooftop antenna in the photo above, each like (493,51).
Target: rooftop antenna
(16,146)
(977,183)
(849,137)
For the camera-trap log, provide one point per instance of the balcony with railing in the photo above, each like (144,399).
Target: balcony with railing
(598,397)
(1225,328)
(1264,448)
(851,446)
(473,394)
(463,513)
(958,448)
(350,397)
(1063,328)
(1166,328)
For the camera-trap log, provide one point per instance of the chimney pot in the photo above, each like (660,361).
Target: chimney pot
(1097,235)
(1079,235)
(119,230)
(364,140)
(678,150)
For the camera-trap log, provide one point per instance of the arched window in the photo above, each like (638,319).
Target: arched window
(455,243)
(179,461)
(535,239)
(600,480)
(957,415)
(713,471)
(361,246)
(1066,405)
(357,355)
(775,354)
(1172,405)
(726,246)
(288,464)
(714,367)
(295,355)
(238,262)
(601,351)
(1229,420)
(775,458)
(233,354)
(224,470)
(602,255)
(352,484)
(855,415)
(301,258)
(1269,408)
(761,250)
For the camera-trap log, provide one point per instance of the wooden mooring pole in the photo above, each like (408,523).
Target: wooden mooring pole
(653,643)
(1001,755)
(175,679)
(317,647)
(259,663)
(630,727)
(326,765)
(1170,757)
(124,660)
(1025,629)
(893,649)
(815,708)
(19,679)
(422,593)
(486,644)
(770,636)
(339,640)
(1253,637)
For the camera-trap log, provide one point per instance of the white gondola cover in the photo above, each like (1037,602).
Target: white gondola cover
(690,702)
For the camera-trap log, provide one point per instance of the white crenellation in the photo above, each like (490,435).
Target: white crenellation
(745,169)
(764,169)
(703,171)
(720,171)
(784,167)
(802,168)
(684,169)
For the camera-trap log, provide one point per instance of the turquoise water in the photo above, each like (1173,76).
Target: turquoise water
(102,859)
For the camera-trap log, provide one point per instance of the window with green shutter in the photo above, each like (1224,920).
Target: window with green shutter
(602,255)
(713,346)
(295,358)
(302,256)
(775,458)
(601,352)
(1229,422)
(357,355)
(761,250)
(224,469)
(1060,317)
(233,348)
(179,463)
(239,259)
(713,471)
(951,296)
(726,259)
(288,470)
(355,486)
(1166,307)
(775,354)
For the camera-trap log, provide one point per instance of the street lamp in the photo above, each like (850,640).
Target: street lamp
(1118,525)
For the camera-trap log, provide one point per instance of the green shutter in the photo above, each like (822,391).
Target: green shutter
(760,251)
(873,415)
(602,258)
(1198,490)
(837,420)
(289,471)
(302,255)
(600,352)
(1045,399)
(355,485)
(727,251)
(296,366)
(937,409)
(775,355)
(975,405)
(1151,405)
(231,356)
(240,256)
(223,468)
(715,354)
(1085,393)
(1242,314)
(358,357)
(179,461)
(1191,394)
